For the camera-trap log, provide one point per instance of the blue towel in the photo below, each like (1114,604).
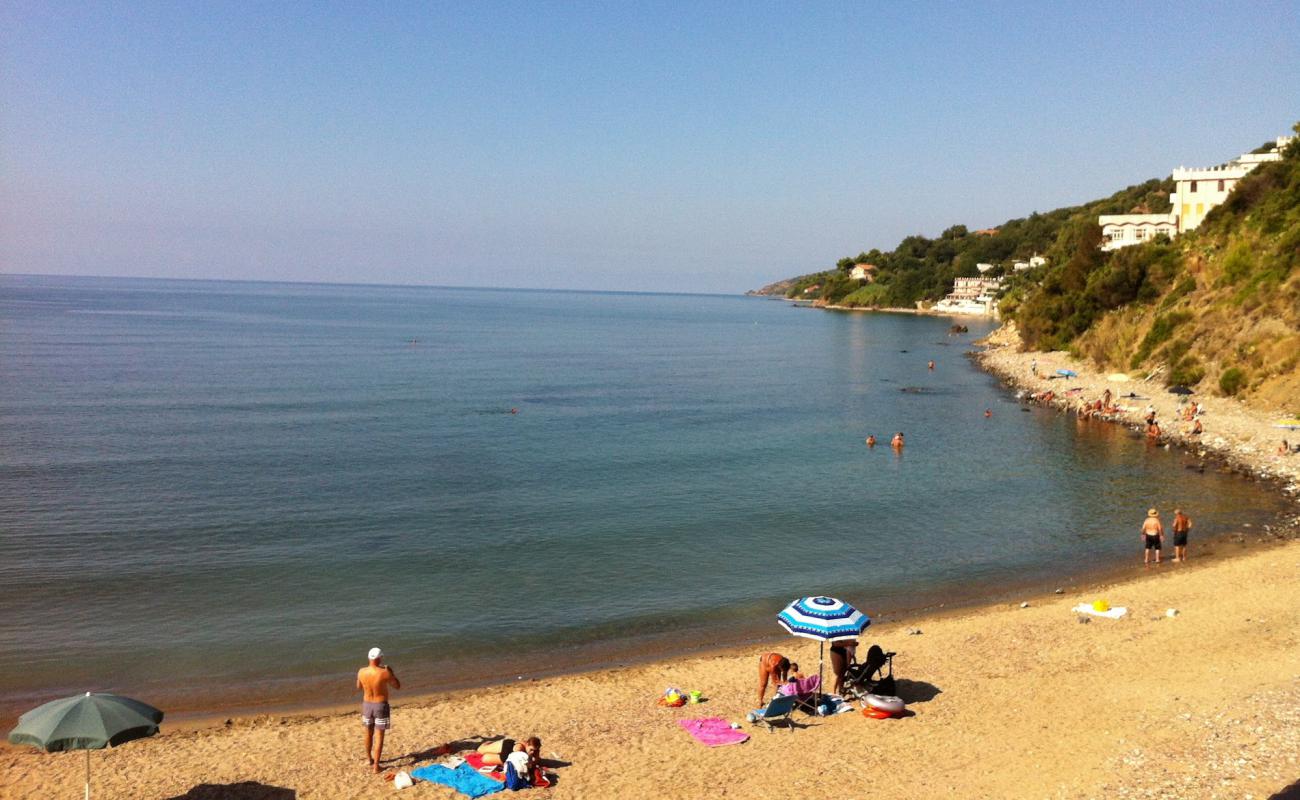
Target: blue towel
(464,779)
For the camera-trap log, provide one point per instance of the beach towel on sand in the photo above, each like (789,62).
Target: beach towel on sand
(1114,613)
(464,779)
(712,731)
(475,760)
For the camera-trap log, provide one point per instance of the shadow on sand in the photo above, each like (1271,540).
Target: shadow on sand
(1291,792)
(247,790)
(912,692)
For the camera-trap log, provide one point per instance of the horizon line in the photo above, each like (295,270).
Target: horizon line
(456,287)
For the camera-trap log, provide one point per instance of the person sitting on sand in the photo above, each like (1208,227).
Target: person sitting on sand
(374,680)
(1182,524)
(897,441)
(1153,430)
(1197,428)
(1285,449)
(774,667)
(496,751)
(871,440)
(1153,536)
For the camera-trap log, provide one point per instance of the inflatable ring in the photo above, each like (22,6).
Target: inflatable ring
(892,705)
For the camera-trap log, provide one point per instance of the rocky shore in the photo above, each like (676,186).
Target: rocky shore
(1234,434)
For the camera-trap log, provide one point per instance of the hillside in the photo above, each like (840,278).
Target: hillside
(1217,309)
(922,269)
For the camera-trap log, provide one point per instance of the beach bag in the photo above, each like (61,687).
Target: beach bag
(886,686)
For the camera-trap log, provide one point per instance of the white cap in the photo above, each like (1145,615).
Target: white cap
(375,652)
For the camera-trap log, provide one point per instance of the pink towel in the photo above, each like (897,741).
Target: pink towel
(804,686)
(712,731)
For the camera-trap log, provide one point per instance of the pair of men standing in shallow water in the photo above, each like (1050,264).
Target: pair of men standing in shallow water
(1153,535)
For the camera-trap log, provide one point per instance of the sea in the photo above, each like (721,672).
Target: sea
(219,495)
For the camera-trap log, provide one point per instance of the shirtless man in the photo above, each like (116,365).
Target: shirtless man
(772,667)
(1153,536)
(897,441)
(374,681)
(1182,524)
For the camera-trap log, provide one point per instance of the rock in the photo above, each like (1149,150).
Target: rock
(1059,591)
(1171,612)
(913,631)
(1024,605)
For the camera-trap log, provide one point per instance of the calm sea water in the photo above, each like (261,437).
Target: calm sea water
(213,487)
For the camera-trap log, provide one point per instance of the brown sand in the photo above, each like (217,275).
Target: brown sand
(1007,701)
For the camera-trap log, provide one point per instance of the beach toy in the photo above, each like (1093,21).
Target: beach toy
(696,697)
(875,713)
(1100,605)
(890,705)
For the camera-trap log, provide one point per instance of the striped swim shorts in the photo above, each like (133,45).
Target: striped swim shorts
(376,715)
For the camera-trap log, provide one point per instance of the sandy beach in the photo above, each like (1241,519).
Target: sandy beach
(1007,701)
(1032,701)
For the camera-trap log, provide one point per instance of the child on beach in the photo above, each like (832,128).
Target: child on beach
(1153,536)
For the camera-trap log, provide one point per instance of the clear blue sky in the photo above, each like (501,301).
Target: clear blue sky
(699,147)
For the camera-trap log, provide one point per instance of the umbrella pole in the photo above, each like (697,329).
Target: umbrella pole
(87,774)
(821,652)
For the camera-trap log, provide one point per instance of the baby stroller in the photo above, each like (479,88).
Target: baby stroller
(869,677)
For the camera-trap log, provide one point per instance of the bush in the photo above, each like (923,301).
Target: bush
(1161,330)
(1232,380)
(1238,264)
(1188,373)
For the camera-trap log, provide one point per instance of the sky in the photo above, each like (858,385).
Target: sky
(698,147)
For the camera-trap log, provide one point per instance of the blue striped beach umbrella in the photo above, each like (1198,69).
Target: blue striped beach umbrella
(824,619)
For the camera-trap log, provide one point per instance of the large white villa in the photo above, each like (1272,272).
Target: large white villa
(1196,192)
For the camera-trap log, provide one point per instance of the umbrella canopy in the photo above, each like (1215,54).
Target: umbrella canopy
(1180,390)
(86,722)
(1289,424)
(1067,373)
(823,618)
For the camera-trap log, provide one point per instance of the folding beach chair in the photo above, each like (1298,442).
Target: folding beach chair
(778,711)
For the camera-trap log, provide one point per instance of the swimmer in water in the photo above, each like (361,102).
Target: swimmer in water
(871,440)
(514,411)
(897,441)
(988,412)
(931,365)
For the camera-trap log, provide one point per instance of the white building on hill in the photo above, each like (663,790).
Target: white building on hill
(1196,191)
(971,296)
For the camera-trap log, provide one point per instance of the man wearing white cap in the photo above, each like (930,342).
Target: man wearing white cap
(373,680)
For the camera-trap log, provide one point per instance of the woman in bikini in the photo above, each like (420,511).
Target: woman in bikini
(772,667)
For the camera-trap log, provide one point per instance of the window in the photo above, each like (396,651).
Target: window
(1193,187)
(1220,185)
(1200,209)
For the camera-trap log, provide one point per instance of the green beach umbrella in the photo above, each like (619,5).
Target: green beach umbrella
(86,722)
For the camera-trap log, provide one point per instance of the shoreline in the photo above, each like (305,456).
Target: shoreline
(976,679)
(1235,434)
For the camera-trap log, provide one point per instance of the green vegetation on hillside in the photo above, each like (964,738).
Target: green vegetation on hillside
(920,268)
(1218,308)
